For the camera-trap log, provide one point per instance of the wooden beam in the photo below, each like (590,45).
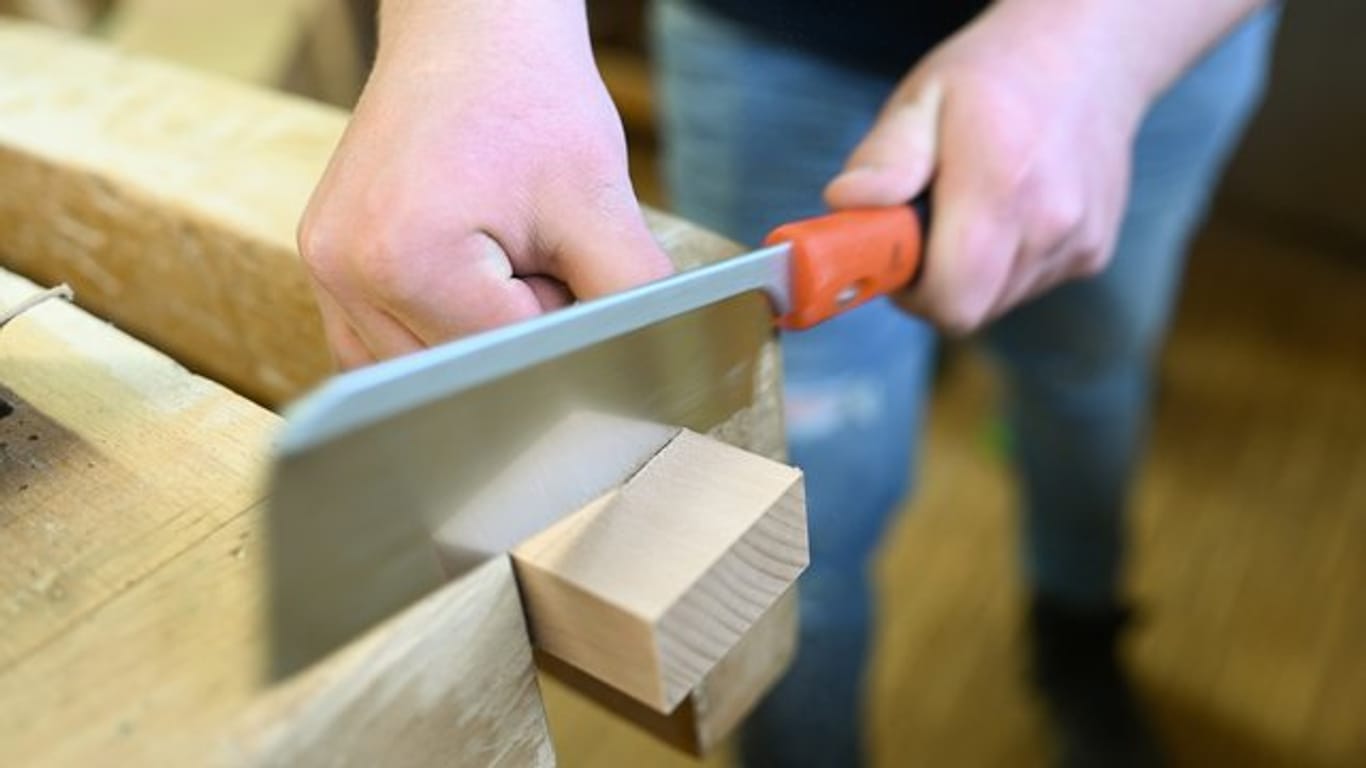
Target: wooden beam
(648,586)
(168,200)
(447,682)
(87,501)
(132,578)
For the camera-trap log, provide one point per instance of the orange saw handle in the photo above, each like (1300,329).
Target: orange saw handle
(844,259)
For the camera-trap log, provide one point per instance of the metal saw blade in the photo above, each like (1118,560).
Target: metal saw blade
(388,484)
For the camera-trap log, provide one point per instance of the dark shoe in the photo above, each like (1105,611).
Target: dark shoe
(1078,674)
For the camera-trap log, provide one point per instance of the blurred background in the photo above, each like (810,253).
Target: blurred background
(1251,560)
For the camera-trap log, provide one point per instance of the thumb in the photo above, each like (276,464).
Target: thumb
(609,251)
(895,160)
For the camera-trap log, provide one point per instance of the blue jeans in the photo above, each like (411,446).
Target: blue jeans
(753,130)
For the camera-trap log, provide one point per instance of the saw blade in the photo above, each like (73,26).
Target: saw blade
(397,478)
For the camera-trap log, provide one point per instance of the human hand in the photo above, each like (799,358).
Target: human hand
(1025,120)
(482,180)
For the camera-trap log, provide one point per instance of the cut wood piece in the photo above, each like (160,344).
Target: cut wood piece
(705,718)
(132,586)
(647,587)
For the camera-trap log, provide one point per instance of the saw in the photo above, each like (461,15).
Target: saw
(393,479)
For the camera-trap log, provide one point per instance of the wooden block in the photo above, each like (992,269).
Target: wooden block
(647,587)
(705,718)
(132,586)
(736,684)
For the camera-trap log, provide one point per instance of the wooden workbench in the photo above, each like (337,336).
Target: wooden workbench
(131,580)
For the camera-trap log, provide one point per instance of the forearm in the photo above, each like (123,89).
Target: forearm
(1146,45)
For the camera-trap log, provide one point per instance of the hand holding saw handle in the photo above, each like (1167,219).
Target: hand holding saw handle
(844,259)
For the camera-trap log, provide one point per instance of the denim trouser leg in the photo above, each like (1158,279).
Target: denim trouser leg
(753,131)
(1078,359)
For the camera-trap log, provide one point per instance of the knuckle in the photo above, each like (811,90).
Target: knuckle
(594,144)
(1058,215)
(371,261)
(960,318)
(1092,261)
(385,268)
(311,240)
(318,250)
(400,251)
(1093,254)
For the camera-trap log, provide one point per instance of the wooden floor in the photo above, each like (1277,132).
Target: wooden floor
(1251,559)
(1251,534)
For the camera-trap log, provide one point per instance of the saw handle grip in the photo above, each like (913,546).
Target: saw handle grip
(844,259)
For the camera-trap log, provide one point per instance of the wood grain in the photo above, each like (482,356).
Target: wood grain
(698,726)
(650,585)
(132,579)
(168,200)
(446,683)
(114,461)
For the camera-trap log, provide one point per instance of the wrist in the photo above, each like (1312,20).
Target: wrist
(1138,48)
(434,35)
(1091,45)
